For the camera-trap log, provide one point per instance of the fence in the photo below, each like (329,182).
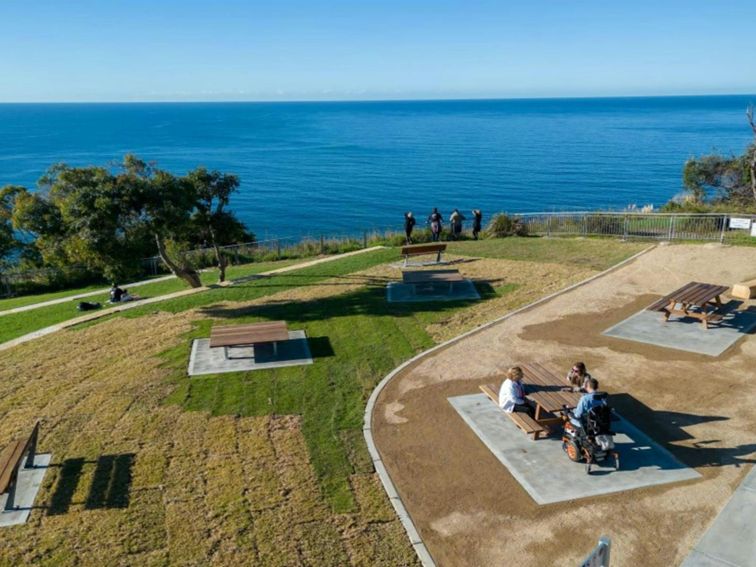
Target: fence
(654,226)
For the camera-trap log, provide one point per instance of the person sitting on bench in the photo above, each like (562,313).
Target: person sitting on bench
(512,393)
(577,377)
(587,402)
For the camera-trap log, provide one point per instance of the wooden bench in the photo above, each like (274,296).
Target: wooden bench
(10,463)
(423,249)
(522,420)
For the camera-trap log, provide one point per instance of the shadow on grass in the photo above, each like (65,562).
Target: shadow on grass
(667,428)
(110,487)
(369,301)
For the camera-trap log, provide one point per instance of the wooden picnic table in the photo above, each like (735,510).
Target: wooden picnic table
(695,299)
(420,278)
(549,392)
(236,336)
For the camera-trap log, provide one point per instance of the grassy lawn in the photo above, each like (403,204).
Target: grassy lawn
(18,324)
(594,253)
(266,467)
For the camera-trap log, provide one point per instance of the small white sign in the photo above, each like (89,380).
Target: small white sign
(736,222)
(753,229)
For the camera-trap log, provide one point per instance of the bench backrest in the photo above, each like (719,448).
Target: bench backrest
(13,454)
(423,249)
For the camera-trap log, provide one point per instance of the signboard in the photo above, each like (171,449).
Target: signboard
(599,557)
(736,222)
(753,229)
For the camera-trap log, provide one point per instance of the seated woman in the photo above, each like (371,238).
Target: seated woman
(578,377)
(512,393)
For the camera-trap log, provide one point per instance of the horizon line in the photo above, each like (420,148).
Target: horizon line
(373,100)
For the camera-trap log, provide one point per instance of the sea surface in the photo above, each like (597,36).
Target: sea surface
(342,167)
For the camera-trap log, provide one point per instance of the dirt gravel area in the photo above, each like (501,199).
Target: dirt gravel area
(471,511)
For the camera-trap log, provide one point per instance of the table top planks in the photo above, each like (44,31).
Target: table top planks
(697,293)
(240,335)
(431,276)
(547,389)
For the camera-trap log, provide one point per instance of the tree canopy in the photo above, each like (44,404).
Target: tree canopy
(109,219)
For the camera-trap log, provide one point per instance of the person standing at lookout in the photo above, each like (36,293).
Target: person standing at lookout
(435,220)
(409,225)
(455,220)
(477,223)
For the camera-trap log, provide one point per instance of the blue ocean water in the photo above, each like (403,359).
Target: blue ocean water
(336,167)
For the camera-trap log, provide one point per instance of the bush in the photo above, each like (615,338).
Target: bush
(502,225)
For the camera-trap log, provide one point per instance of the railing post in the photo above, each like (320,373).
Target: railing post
(624,228)
(322,244)
(548,225)
(672,227)
(722,233)
(278,248)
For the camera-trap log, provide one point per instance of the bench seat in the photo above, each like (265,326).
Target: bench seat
(522,420)
(744,290)
(8,460)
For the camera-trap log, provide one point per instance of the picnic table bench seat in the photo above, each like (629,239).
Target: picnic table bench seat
(522,420)
(422,249)
(10,462)
(744,290)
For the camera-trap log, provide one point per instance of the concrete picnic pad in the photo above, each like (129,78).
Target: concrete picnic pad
(29,481)
(686,334)
(398,292)
(731,539)
(206,360)
(545,472)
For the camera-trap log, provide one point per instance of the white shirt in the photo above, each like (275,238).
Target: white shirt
(511,393)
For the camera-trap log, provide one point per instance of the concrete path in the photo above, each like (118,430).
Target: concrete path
(134,304)
(731,539)
(79,296)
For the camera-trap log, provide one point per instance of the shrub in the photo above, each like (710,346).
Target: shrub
(502,225)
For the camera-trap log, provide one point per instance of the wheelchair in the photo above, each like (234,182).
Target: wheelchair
(591,441)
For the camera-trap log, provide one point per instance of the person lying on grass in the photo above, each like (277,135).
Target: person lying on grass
(512,393)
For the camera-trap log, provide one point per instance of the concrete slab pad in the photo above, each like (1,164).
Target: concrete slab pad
(545,472)
(397,292)
(685,333)
(731,539)
(206,360)
(29,481)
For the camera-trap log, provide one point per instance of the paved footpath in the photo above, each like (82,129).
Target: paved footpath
(134,304)
(79,296)
(731,539)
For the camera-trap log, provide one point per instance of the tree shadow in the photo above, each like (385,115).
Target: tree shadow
(110,487)
(370,301)
(667,428)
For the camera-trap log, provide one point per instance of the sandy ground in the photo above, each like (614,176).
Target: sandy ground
(471,511)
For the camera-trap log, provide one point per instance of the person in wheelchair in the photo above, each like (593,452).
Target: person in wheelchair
(588,434)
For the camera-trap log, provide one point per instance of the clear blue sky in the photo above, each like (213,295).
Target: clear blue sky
(124,50)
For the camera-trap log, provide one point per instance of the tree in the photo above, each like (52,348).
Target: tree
(213,191)
(9,242)
(724,180)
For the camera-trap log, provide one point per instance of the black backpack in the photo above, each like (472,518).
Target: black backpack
(598,420)
(87,306)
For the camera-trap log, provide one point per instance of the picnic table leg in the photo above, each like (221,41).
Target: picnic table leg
(275,349)
(438,257)
(669,310)
(225,351)
(32,450)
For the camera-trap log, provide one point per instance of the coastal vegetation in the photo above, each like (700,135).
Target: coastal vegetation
(107,220)
(716,182)
(266,467)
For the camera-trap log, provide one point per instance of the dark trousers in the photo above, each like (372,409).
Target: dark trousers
(524,408)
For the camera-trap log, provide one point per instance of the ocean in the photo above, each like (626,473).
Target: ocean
(343,167)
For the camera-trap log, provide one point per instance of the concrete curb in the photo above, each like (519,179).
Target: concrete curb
(132,305)
(388,485)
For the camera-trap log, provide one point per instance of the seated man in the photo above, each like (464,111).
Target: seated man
(512,393)
(588,401)
(116,293)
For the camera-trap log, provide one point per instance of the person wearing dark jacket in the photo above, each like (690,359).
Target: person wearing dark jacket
(409,225)
(436,221)
(477,223)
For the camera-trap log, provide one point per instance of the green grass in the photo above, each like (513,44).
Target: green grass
(594,253)
(18,324)
(356,338)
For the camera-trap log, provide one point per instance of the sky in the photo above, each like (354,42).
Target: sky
(190,50)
